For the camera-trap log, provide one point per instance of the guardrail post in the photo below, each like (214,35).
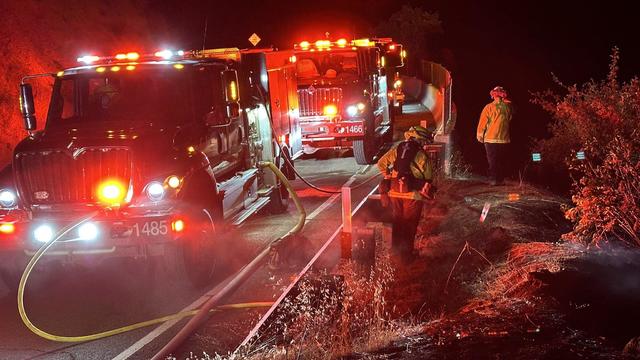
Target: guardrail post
(347,228)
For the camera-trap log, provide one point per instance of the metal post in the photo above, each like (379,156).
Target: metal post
(347,229)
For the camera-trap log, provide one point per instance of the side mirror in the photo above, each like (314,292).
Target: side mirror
(231,94)
(27,107)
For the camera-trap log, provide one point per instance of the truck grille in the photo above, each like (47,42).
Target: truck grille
(313,100)
(58,176)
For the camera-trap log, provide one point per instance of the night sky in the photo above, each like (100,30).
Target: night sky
(515,44)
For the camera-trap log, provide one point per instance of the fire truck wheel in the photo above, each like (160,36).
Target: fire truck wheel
(195,254)
(279,199)
(287,167)
(364,150)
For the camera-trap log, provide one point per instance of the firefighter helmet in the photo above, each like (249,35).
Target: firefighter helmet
(419,133)
(499,92)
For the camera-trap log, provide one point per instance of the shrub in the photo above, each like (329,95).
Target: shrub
(601,119)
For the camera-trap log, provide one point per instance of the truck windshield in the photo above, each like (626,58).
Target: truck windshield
(340,66)
(146,97)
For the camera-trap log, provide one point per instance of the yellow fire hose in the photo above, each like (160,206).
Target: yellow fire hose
(59,338)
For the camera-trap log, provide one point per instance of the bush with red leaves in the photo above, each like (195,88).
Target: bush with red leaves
(601,119)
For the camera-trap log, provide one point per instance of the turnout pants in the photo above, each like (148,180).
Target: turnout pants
(496,158)
(406,216)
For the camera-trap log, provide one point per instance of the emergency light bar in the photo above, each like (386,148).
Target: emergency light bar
(166,54)
(327,44)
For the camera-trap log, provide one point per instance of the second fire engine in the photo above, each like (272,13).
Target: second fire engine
(342,94)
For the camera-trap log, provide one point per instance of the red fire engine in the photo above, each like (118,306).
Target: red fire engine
(154,156)
(342,94)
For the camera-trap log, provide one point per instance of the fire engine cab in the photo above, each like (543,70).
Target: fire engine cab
(342,94)
(156,154)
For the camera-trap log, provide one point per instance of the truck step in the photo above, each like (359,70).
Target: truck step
(246,213)
(237,182)
(265,192)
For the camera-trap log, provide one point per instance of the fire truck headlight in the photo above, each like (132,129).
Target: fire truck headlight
(88,231)
(174,181)
(155,191)
(397,84)
(43,233)
(7,198)
(356,109)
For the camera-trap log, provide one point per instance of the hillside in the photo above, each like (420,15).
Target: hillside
(32,43)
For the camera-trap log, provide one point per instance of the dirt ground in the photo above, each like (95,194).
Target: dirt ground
(506,287)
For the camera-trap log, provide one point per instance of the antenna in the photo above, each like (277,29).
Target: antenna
(204,36)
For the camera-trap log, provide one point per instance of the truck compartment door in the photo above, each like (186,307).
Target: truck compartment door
(239,192)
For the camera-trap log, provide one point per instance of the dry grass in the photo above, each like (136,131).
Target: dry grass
(511,279)
(325,322)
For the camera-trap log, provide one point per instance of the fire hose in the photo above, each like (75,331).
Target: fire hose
(199,315)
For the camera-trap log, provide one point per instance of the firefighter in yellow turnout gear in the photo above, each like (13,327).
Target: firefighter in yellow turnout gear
(408,174)
(493,132)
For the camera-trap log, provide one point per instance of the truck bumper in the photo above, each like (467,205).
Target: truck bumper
(322,132)
(118,235)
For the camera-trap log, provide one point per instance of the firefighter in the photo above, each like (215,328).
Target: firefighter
(407,181)
(493,132)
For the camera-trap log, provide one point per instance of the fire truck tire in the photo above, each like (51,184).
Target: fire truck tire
(194,255)
(279,199)
(364,150)
(287,168)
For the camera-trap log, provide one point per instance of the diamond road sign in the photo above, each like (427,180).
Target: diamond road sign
(254,39)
